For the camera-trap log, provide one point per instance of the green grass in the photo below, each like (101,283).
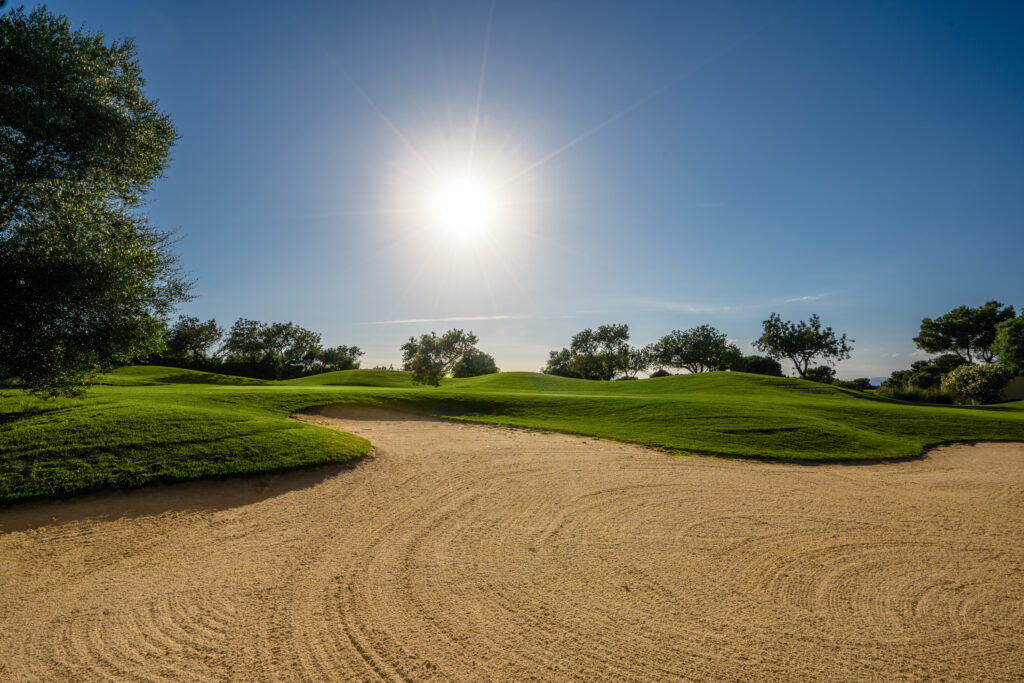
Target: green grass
(145,423)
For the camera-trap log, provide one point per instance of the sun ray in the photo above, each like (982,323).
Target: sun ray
(480,86)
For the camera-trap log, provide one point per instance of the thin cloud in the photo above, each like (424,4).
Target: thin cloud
(802,298)
(454,318)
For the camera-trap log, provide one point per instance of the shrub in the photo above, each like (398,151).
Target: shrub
(977,383)
(821,373)
(661,372)
(915,395)
(758,365)
(859,384)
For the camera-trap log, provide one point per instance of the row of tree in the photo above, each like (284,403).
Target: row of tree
(251,348)
(980,349)
(605,353)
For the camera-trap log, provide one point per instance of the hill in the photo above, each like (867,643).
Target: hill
(147,424)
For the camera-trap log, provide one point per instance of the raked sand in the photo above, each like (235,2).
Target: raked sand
(471,552)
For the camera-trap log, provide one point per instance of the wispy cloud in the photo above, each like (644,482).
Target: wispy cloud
(802,298)
(918,353)
(454,318)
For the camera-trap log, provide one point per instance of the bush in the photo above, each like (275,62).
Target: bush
(859,384)
(661,372)
(758,365)
(915,395)
(977,383)
(821,373)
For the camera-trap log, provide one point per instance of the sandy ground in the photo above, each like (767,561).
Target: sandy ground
(474,553)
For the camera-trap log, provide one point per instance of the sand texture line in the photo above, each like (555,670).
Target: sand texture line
(470,552)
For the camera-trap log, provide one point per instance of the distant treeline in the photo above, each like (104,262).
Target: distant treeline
(251,349)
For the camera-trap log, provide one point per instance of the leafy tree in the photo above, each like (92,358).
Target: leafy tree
(341,357)
(474,363)
(802,342)
(924,374)
(965,331)
(1009,344)
(270,346)
(637,360)
(560,364)
(699,349)
(593,354)
(821,373)
(85,282)
(601,353)
(190,338)
(432,357)
(757,365)
(977,383)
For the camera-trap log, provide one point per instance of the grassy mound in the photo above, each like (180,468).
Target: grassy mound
(146,424)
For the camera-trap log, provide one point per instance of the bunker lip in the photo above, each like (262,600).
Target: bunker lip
(463,551)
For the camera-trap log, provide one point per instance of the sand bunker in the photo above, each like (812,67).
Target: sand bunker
(472,552)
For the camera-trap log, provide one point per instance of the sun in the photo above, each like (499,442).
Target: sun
(463,207)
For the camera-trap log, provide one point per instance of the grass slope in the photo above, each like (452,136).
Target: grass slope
(146,423)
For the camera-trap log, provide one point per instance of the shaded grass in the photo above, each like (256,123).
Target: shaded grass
(148,424)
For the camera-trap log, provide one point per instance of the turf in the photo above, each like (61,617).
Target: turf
(145,424)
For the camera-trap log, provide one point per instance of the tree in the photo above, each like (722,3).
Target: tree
(757,365)
(560,364)
(189,338)
(977,383)
(965,331)
(432,357)
(1009,344)
(636,360)
(341,357)
(593,354)
(699,349)
(474,363)
(273,345)
(924,374)
(85,282)
(802,342)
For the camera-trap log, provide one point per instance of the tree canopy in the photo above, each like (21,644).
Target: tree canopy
(593,354)
(85,282)
(802,342)
(698,349)
(190,338)
(431,357)
(252,341)
(965,331)
(1009,344)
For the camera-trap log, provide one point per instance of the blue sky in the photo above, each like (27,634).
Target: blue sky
(660,164)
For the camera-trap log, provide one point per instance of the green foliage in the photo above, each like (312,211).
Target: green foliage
(432,357)
(916,395)
(84,281)
(802,342)
(251,342)
(1009,344)
(858,384)
(924,374)
(341,357)
(699,349)
(560,364)
(661,372)
(637,360)
(967,332)
(977,383)
(189,338)
(821,373)
(473,364)
(593,354)
(757,365)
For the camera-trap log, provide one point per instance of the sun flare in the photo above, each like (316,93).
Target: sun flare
(463,207)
